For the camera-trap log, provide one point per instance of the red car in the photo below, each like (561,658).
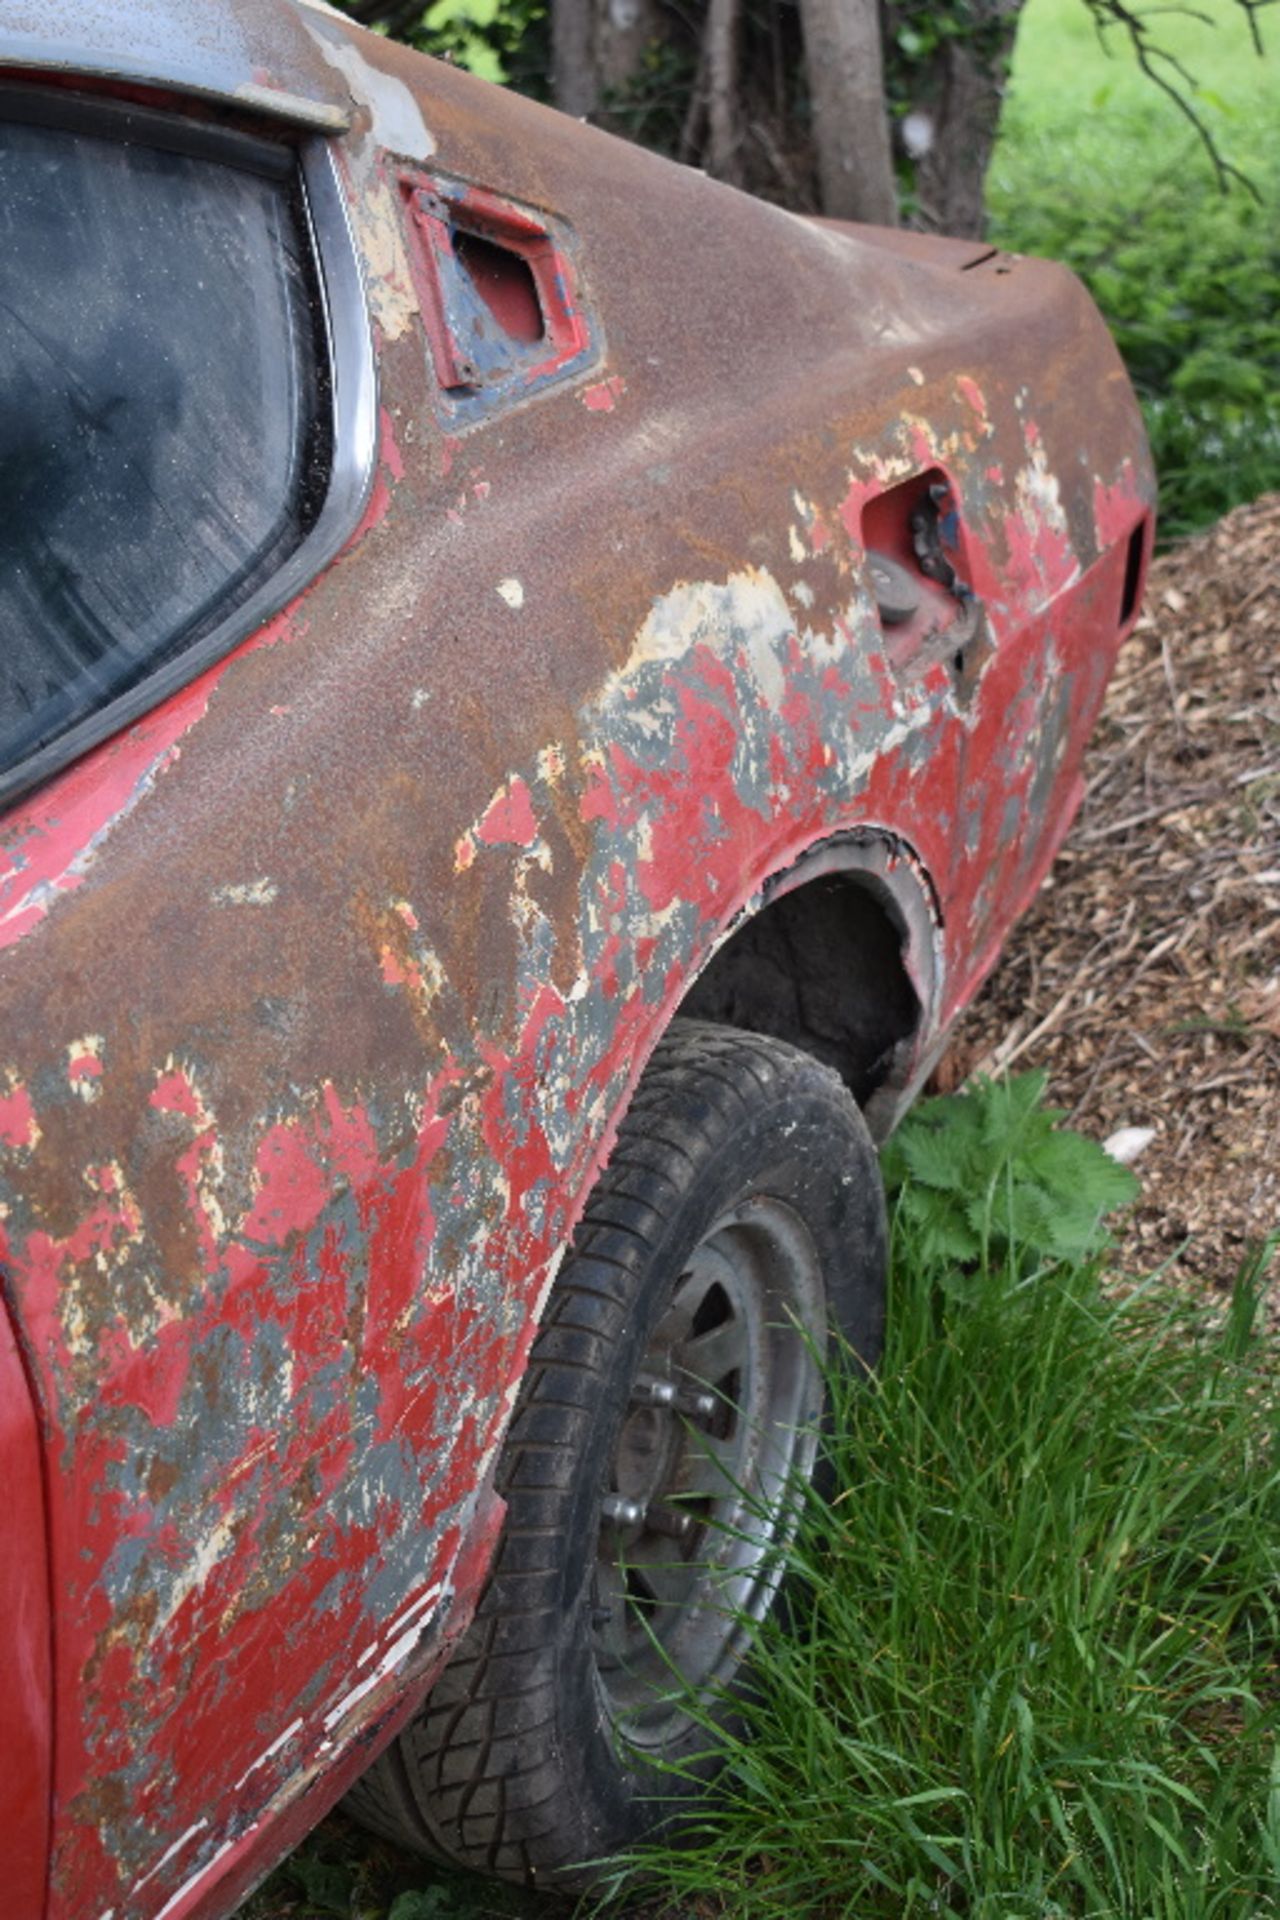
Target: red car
(533,687)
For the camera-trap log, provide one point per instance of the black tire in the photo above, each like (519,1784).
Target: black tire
(743,1183)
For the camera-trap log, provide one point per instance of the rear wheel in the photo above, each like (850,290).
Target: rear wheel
(674,1389)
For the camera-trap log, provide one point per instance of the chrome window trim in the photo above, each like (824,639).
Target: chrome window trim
(353,379)
(255,59)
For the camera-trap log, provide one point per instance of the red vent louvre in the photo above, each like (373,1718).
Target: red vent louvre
(499,297)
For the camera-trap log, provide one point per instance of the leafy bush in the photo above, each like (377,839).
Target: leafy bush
(1031,1665)
(506,41)
(985,1182)
(1191,302)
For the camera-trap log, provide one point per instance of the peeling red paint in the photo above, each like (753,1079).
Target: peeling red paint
(509,818)
(54,838)
(604,395)
(292,1189)
(1115,506)
(972,394)
(18,1126)
(390,470)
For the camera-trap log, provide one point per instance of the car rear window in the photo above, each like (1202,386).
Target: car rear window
(161,439)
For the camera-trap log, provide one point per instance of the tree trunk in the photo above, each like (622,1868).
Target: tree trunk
(624,31)
(850,124)
(573,67)
(967,93)
(722,101)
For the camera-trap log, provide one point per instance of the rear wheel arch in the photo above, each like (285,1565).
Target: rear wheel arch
(839,954)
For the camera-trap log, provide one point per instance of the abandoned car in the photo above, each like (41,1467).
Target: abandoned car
(533,687)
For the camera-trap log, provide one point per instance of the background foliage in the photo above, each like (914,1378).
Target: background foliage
(500,40)
(1093,167)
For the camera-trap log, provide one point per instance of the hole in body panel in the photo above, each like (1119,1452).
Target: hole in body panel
(1133,572)
(505,283)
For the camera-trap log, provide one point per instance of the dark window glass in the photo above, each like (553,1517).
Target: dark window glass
(159,455)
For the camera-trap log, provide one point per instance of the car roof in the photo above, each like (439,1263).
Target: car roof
(266,55)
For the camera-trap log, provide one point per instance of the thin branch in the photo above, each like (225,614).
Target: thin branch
(777,159)
(1252,8)
(1148,54)
(695,113)
(1188,13)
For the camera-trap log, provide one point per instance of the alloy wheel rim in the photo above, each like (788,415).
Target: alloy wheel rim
(694,1513)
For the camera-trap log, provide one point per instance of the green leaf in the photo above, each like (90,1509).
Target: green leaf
(988,1173)
(327,1886)
(424,1903)
(935,1156)
(1079,1171)
(478,57)
(460,13)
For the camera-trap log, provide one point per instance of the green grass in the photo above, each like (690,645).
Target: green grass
(1069,80)
(1096,167)
(1033,1672)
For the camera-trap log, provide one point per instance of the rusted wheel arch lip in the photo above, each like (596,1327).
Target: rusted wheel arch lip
(893,872)
(354,415)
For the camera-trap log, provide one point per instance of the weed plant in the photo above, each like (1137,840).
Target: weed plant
(1031,1664)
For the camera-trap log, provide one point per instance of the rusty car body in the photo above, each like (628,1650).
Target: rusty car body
(333,943)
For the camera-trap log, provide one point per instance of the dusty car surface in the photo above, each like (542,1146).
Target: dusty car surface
(532,688)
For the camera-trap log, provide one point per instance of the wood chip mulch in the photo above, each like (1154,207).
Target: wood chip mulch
(1146,976)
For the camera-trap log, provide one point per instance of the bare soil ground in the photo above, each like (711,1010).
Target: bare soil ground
(1146,977)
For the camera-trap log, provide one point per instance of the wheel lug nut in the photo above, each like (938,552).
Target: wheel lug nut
(621,1511)
(695,1405)
(650,1391)
(669,1520)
